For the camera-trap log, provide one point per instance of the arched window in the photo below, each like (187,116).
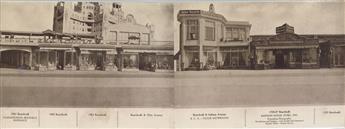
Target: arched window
(90,16)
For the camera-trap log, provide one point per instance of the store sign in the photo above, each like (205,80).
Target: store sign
(190,12)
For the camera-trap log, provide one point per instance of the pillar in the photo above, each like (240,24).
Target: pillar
(64,59)
(18,59)
(30,59)
(140,34)
(47,58)
(21,56)
(72,58)
(201,59)
(120,59)
(201,36)
(183,38)
(38,57)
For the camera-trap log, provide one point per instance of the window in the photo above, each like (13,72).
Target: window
(241,34)
(209,31)
(144,38)
(113,35)
(228,34)
(123,37)
(192,29)
(222,31)
(235,35)
(133,38)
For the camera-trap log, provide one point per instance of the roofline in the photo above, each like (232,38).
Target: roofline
(28,33)
(304,35)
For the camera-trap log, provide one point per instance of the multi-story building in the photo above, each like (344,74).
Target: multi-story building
(88,36)
(208,40)
(106,21)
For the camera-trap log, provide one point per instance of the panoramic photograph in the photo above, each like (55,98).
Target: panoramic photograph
(172,64)
(245,54)
(77,54)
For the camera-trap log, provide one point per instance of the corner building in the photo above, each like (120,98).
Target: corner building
(209,41)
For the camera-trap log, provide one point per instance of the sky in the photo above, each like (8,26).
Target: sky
(38,16)
(306,17)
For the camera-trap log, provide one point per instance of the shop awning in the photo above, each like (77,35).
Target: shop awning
(158,52)
(95,49)
(286,47)
(55,48)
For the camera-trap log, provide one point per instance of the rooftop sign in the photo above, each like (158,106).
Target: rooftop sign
(190,12)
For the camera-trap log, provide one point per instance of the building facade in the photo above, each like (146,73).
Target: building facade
(88,36)
(209,41)
(287,49)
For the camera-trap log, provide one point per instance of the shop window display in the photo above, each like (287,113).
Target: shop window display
(165,62)
(130,61)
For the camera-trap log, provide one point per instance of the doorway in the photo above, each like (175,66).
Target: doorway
(147,61)
(100,56)
(61,60)
(280,62)
(15,59)
(325,54)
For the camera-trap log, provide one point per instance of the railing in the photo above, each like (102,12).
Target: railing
(82,41)
(39,40)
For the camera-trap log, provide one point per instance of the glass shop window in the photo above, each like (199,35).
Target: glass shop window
(130,61)
(165,62)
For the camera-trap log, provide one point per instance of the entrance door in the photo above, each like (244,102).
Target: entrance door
(61,60)
(325,56)
(100,60)
(15,59)
(280,62)
(147,61)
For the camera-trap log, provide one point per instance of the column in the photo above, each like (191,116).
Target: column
(64,59)
(47,59)
(72,58)
(30,59)
(56,58)
(38,56)
(183,39)
(18,59)
(119,59)
(201,59)
(22,60)
(140,34)
(218,57)
(201,37)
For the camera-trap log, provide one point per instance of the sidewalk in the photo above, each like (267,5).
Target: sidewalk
(95,73)
(270,72)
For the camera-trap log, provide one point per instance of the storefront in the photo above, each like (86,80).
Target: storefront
(332,54)
(234,57)
(146,58)
(20,59)
(54,57)
(287,57)
(97,57)
(191,58)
